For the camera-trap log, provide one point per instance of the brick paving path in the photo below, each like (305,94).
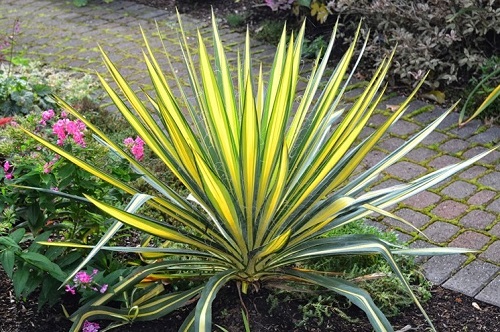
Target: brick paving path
(462,211)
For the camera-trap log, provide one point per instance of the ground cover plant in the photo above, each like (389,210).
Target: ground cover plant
(265,182)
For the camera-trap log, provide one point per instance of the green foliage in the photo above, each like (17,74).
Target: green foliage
(268,174)
(483,96)
(29,88)
(314,48)
(30,265)
(48,211)
(370,272)
(32,166)
(19,97)
(452,39)
(270,31)
(235,20)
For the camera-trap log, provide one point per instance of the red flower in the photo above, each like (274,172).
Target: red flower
(4,121)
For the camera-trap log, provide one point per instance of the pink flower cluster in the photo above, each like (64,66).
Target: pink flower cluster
(84,280)
(90,327)
(8,169)
(65,127)
(136,147)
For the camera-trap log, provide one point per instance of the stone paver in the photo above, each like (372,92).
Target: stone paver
(495,230)
(470,240)
(491,158)
(449,209)
(440,231)
(421,154)
(439,268)
(473,172)
(492,253)
(481,198)
(491,293)
(415,218)
(443,161)
(422,200)
(406,170)
(477,219)
(459,190)
(494,206)
(471,279)
(463,211)
(454,146)
(491,180)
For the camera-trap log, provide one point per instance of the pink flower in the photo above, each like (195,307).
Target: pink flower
(7,170)
(46,116)
(136,147)
(64,127)
(103,289)
(59,128)
(83,278)
(90,327)
(48,167)
(129,142)
(70,289)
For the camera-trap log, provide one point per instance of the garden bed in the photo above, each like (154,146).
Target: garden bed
(450,311)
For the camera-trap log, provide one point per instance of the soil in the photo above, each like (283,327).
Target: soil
(449,311)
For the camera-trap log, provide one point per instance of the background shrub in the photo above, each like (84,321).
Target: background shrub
(456,40)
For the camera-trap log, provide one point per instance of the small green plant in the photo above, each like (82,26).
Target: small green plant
(267,173)
(235,20)
(484,90)
(315,48)
(270,31)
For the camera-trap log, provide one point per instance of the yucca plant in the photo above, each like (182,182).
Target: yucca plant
(268,174)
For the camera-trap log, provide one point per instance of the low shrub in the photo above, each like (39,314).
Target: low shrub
(27,88)
(453,39)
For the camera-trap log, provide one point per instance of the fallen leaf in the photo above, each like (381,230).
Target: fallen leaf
(435,95)
(392,108)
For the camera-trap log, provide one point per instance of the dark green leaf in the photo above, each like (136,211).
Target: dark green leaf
(20,278)
(17,235)
(43,263)
(7,242)
(7,259)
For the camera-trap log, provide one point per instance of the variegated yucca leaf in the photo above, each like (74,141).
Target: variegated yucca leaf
(268,173)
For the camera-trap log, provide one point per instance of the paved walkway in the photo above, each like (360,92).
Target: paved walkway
(464,211)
